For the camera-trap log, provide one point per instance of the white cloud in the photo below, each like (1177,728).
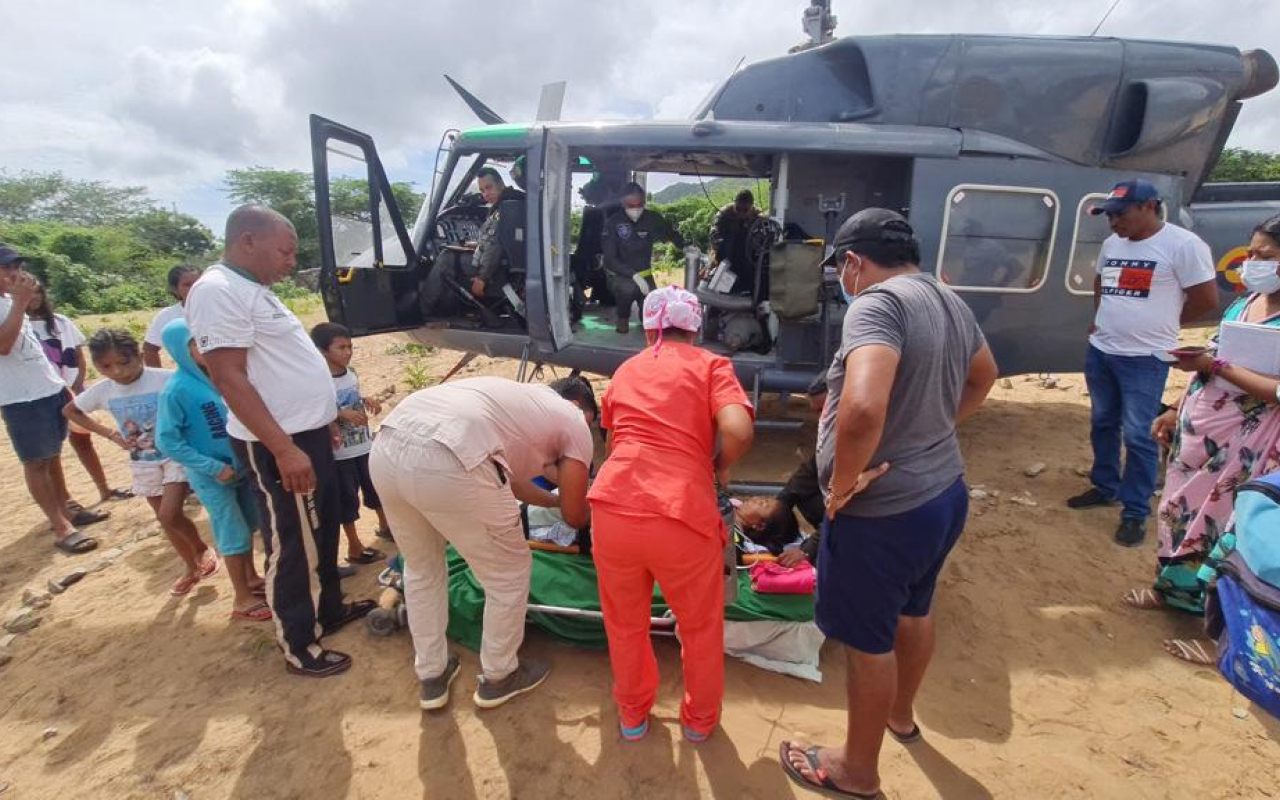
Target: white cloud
(174,99)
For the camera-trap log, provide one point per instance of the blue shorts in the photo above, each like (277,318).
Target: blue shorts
(37,428)
(233,513)
(872,570)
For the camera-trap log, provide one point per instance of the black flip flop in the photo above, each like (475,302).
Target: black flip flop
(350,613)
(826,786)
(329,662)
(76,543)
(120,494)
(910,737)
(367,556)
(82,517)
(383,533)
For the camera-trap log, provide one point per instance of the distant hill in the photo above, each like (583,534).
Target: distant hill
(679,191)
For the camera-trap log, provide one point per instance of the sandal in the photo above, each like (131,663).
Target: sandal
(384,533)
(76,543)
(81,517)
(910,737)
(1143,599)
(366,556)
(209,565)
(825,785)
(183,585)
(259,613)
(119,494)
(350,613)
(1190,650)
(329,662)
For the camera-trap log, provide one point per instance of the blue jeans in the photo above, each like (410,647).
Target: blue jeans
(1126,393)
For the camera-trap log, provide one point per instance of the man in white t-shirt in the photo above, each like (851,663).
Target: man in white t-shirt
(1152,279)
(32,394)
(282,404)
(181,279)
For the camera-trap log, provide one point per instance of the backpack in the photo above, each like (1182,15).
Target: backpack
(1257,527)
(1249,647)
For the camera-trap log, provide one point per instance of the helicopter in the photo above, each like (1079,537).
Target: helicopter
(993,147)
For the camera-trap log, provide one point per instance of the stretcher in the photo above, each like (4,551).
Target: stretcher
(773,632)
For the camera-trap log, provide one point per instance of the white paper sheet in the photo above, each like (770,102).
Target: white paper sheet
(1254,347)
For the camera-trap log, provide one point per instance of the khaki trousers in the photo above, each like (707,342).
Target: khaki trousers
(430,501)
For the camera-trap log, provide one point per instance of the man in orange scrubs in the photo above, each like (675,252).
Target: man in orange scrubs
(654,510)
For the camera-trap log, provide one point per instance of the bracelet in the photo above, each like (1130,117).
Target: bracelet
(1218,366)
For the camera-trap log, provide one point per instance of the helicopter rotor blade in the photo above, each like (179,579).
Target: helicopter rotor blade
(487,115)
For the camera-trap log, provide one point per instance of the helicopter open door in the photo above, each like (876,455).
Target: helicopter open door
(557,177)
(369,272)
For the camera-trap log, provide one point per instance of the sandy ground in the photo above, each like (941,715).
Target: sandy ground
(1044,686)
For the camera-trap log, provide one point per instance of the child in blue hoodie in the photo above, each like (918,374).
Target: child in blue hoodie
(192,430)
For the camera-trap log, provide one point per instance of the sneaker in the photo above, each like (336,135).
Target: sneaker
(1131,532)
(1090,499)
(527,677)
(434,692)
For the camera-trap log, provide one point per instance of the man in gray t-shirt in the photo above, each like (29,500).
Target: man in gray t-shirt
(912,363)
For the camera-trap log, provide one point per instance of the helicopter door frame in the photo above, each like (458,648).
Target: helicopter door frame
(556,184)
(362,296)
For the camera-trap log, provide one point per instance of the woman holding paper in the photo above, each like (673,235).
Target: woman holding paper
(1224,432)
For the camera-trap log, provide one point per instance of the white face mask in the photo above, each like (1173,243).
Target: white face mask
(634,213)
(1260,276)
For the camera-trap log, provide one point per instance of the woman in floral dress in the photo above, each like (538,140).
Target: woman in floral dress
(1224,433)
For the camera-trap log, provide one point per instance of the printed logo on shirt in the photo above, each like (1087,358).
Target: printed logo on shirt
(1128,277)
(624,230)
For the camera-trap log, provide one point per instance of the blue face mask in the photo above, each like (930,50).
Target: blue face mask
(1260,276)
(848,296)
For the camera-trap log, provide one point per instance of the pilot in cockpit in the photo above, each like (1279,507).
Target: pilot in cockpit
(493,257)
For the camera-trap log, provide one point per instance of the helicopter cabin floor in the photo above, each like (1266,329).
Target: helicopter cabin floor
(598,329)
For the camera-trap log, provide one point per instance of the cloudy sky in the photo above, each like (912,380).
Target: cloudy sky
(172,94)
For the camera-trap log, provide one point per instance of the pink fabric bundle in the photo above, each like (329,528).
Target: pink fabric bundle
(770,577)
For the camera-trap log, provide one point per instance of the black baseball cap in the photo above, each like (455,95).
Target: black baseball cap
(9,256)
(870,225)
(1125,194)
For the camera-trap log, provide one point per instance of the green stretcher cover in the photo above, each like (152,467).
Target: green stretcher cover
(569,581)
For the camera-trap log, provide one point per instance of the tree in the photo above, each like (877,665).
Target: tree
(1239,165)
(34,196)
(174,233)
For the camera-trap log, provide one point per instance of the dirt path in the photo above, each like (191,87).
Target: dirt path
(1044,685)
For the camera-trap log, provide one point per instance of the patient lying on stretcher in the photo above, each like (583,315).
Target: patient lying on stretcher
(769,526)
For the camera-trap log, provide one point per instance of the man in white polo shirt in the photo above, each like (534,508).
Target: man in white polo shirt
(282,403)
(1152,279)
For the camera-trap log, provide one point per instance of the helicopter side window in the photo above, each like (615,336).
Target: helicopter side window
(1086,244)
(997,238)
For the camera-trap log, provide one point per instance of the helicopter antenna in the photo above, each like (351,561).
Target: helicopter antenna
(1105,16)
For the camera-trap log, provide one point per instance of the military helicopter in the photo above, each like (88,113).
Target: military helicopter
(994,147)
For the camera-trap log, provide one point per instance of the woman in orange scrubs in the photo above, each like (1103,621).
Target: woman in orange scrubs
(654,511)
